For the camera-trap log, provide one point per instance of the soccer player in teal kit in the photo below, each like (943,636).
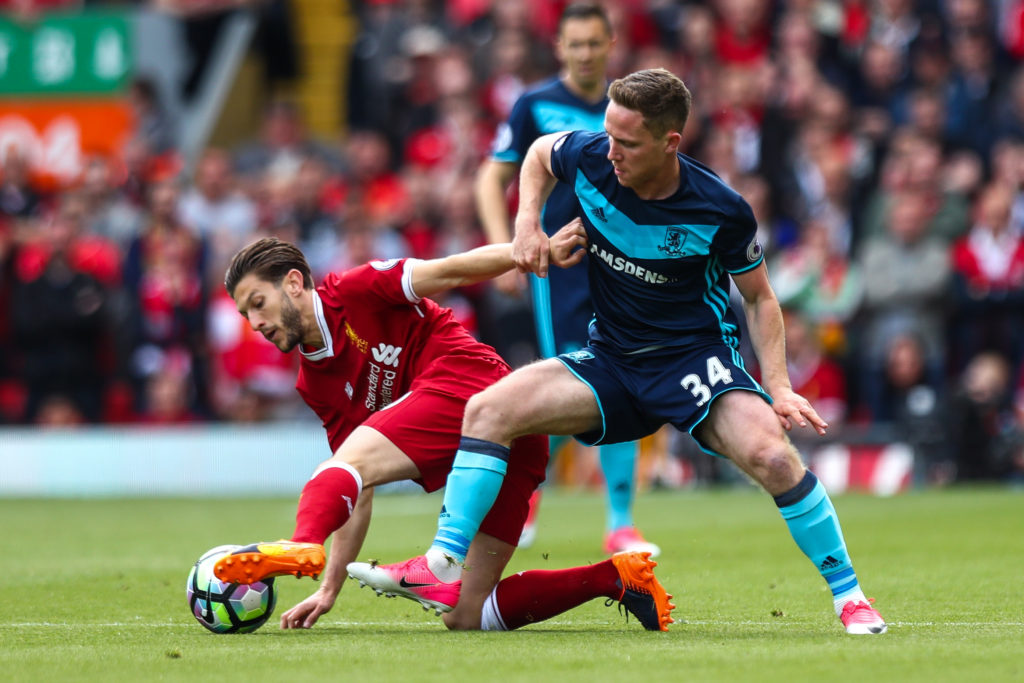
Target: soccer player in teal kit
(665,236)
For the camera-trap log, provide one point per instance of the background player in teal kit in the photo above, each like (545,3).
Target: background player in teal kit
(665,237)
(573,100)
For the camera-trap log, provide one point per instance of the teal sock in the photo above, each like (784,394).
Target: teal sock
(618,462)
(473,484)
(812,521)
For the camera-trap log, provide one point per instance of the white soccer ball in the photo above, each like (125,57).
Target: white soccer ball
(227,607)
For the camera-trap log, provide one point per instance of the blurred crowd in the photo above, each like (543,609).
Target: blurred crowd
(879,142)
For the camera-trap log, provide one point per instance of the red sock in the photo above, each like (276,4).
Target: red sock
(325,504)
(529,597)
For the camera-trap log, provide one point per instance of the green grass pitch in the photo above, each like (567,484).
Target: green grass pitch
(95,591)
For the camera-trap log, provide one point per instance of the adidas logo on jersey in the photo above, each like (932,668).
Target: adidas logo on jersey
(599,214)
(387,354)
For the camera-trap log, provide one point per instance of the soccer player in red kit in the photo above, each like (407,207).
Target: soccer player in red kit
(389,373)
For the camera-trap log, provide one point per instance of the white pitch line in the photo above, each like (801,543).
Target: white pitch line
(909,624)
(124,624)
(414,624)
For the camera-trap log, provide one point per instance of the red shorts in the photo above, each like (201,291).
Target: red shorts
(426,425)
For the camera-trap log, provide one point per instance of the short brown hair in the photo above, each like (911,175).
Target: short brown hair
(269,259)
(658,94)
(585,10)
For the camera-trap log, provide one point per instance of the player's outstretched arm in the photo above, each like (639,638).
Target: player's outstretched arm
(530,246)
(467,268)
(767,335)
(345,547)
(485,263)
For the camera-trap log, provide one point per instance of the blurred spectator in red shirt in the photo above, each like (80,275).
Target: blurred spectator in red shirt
(164,271)
(250,376)
(988,281)
(815,376)
(509,62)
(742,31)
(58,312)
(371,185)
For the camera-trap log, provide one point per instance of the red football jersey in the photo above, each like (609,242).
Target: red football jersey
(380,336)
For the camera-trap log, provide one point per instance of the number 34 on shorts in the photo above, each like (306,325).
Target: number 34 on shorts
(637,394)
(701,387)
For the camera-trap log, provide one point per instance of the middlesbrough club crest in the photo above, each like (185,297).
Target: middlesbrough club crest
(675,238)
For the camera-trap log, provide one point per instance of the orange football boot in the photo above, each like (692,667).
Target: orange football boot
(642,593)
(260,561)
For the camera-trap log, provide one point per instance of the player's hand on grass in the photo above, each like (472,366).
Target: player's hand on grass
(792,408)
(306,613)
(565,244)
(530,247)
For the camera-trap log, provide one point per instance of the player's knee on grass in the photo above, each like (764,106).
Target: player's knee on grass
(463,618)
(485,563)
(466,616)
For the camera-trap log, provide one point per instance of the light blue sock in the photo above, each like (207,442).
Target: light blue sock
(618,462)
(473,484)
(812,521)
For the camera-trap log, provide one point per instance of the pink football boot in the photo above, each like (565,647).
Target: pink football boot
(411,579)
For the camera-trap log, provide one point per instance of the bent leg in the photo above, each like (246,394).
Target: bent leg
(540,398)
(327,502)
(366,458)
